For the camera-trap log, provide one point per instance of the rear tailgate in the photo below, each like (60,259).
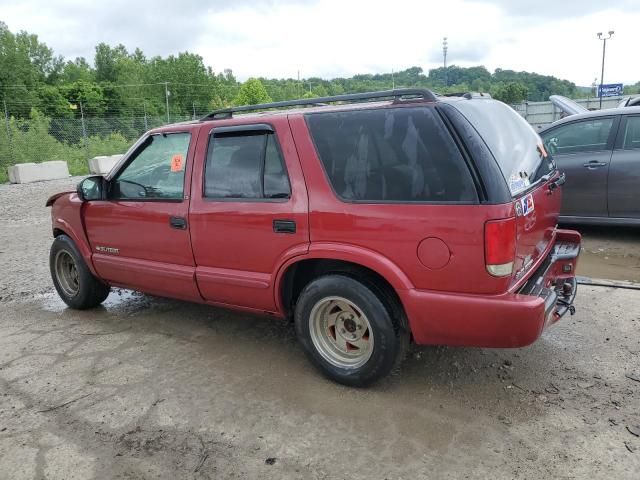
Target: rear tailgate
(530,175)
(536,219)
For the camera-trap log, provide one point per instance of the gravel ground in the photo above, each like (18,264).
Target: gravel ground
(155,388)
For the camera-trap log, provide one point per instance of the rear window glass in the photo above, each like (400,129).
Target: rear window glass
(513,142)
(397,154)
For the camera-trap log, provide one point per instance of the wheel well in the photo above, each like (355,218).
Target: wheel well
(300,274)
(57,232)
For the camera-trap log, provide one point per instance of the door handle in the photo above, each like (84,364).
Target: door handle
(179,223)
(593,164)
(284,226)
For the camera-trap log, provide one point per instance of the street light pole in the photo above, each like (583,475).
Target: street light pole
(604,49)
(445,47)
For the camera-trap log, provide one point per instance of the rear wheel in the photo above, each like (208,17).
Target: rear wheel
(71,277)
(348,331)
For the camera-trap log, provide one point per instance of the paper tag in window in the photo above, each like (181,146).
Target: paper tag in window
(518,183)
(177,163)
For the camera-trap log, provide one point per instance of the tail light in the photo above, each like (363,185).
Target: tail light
(500,246)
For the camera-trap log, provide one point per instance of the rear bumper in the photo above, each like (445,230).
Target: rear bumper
(513,319)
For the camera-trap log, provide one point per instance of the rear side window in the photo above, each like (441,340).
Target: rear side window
(632,133)
(245,165)
(585,136)
(514,144)
(392,155)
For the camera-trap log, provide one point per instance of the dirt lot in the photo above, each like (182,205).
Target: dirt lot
(154,388)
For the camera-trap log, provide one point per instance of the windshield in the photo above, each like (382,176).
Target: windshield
(515,145)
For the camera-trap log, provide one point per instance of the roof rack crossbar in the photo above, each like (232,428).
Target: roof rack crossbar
(396,94)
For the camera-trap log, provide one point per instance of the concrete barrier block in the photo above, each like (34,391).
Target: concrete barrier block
(103,164)
(37,172)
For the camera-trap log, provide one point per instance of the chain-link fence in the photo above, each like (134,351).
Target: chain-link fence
(39,138)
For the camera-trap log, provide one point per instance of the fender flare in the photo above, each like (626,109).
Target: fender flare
(364,257)
(79,239)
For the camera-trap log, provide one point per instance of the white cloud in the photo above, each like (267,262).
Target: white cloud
(332,38)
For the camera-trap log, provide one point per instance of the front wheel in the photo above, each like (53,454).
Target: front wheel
(347,331)
(73,280)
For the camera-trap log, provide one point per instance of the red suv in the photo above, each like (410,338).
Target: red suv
(369,219)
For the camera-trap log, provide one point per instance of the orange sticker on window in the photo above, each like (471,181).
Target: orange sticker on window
(177,163)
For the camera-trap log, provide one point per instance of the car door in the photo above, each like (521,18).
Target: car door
(249,211)
(139,234)
(582,149)
(624,172)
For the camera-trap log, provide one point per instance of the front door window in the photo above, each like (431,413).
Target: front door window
(584,136)
(155,171)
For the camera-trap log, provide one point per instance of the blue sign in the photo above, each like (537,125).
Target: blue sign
(610,90)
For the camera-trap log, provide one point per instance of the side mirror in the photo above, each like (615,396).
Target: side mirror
(91,188)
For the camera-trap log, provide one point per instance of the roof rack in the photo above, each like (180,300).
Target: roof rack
(397,95)
(468,95)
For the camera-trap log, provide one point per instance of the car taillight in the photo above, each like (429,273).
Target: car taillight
(500,246)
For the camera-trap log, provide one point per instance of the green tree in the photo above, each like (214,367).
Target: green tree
(76,71)
(510,93)
(53,103)
(90,94)
(252,92)
(632,89)
(24,65)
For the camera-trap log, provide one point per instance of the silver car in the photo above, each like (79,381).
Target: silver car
(600,154)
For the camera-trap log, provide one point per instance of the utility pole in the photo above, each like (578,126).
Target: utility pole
(166,97)
(194,110)
(604,48)
(445,48)
(146,125)
(393,81)
(299,93)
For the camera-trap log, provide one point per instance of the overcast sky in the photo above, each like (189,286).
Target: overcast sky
(331,38)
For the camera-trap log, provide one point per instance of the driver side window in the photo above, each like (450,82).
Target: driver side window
(155,171)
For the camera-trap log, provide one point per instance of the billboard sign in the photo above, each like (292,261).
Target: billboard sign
(610,90)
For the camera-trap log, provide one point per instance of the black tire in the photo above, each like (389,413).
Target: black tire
(389,337)
(81,290)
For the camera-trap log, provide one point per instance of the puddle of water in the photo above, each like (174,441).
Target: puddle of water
(611,253)
(607,266)
(118,299)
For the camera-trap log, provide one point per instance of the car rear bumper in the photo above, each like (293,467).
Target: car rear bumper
(513,319)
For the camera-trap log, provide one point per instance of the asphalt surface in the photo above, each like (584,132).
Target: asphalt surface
(153,388)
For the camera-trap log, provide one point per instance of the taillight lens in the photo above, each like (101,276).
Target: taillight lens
(500,246)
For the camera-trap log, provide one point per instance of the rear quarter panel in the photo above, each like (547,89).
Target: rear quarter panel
(394,231)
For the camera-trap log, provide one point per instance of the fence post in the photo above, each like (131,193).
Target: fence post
(6,119)
(84,131)
(166,98)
